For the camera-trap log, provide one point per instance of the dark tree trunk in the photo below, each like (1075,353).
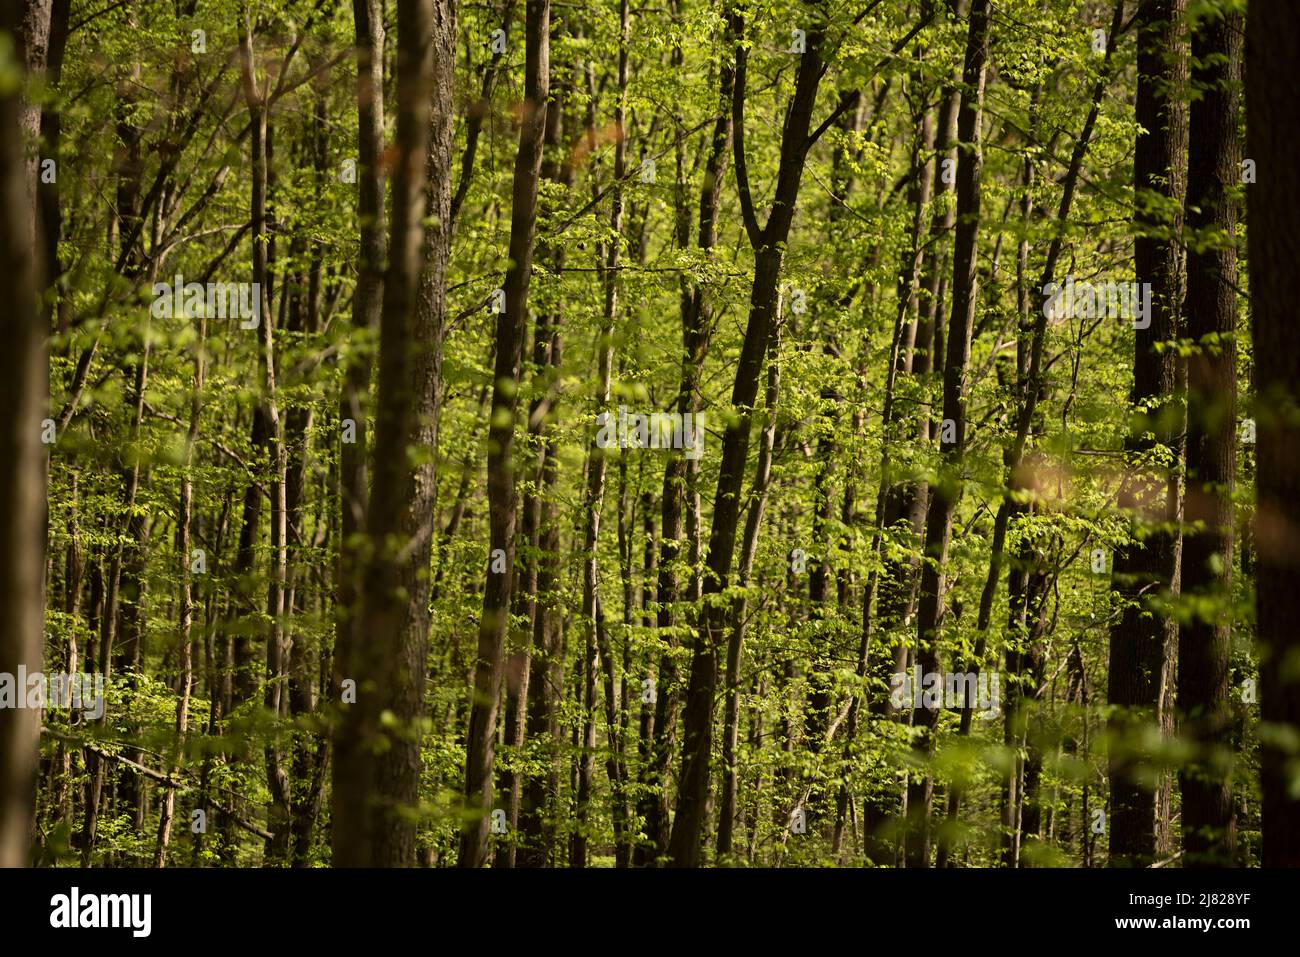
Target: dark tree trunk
(769,243)
(1140,643)
(1205,642)
(902,506)
(541,692)
(739,607)
(696,313)
(946,491)
(1273,141)
(511,330)
(367,303)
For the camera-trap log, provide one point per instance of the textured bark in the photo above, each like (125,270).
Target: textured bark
(511,329)
(1205,642)
(31,33)
(372,818)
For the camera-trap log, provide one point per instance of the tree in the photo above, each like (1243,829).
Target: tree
(22,480)
(372,823)
(1272,43)
(1210,315)
(944,494)
(511,329)
(767,241)
(1146,569)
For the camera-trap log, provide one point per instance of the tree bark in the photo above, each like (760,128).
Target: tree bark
(946,492)
(769,243)
(373,823)
(23,388)
(1210,311)
(511,329)
(367,304)
(1272,131)
(1140,639)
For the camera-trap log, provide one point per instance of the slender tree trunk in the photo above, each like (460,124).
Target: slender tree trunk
(545,692)
(255,96)
(902,507)
(1144,570)
(511,329)
(769,243)
(696,312)
(1030,384)
(947,490)
(740,606)
(185,667)
(1205,642)
(542,692)
(51,214)
(367,303)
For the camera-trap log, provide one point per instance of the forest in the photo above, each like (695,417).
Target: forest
(671,433)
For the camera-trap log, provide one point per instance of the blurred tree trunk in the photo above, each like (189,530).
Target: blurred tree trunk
(367,303)
(1273,142)
(23,390)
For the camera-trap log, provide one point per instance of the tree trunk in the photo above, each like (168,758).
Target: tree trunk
(372,823)
(1205,642)
(24,386)
(1139,643)
(739,607)
(769,243)
(255,95)
(947,489)
(1272,130)
(511,329)
(185,667)
(541,691)
(367,303)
